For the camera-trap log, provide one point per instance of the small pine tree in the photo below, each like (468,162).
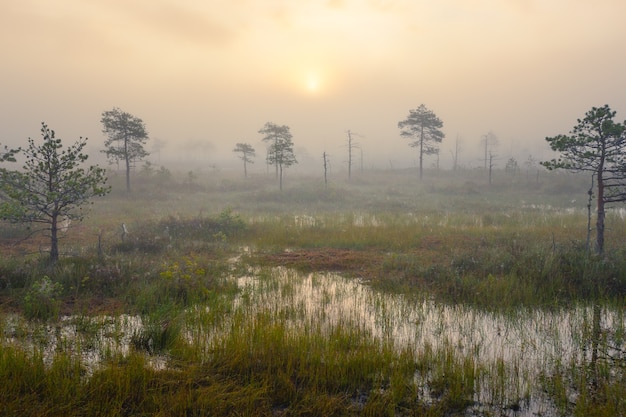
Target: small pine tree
(51,186)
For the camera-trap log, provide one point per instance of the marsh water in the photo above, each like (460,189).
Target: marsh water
(515,350)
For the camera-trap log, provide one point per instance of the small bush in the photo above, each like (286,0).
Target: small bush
(225,225)
(186,281)
(43,299)
(14,274)
(156,337)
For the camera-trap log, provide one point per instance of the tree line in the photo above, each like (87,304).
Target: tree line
(53,184)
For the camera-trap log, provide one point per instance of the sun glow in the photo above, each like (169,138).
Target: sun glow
(313,83)
(309,80)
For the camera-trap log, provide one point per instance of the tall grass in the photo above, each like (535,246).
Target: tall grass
(266,369)
(522,259)
(295,345)
(210,336)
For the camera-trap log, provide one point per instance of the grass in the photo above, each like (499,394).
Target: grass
(261,369)
(189,314)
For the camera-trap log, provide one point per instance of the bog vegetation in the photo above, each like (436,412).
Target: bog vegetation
(381,295)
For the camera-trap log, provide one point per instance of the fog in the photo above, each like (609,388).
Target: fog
(206,75)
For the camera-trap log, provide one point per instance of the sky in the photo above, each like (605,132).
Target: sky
(206,74)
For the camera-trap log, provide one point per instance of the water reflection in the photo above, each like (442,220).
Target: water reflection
(93,339)
(516,349)
(531,336)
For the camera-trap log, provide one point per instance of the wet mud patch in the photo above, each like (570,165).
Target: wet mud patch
(362,263)
(92,306)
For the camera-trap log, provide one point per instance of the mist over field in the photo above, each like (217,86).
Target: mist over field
(376,294)
(307,287)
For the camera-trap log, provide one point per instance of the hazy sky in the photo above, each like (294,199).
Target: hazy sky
(206,74)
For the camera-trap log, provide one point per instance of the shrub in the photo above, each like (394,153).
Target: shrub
(156,337)
(42,301)
(186,280)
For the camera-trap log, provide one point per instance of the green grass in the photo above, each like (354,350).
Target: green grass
(260,369)
(512,250)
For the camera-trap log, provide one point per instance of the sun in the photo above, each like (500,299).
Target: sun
(313,83)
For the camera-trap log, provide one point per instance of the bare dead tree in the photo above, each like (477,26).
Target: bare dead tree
(326,163)
(351,146)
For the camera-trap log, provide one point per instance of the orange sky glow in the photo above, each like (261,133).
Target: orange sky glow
(208,74)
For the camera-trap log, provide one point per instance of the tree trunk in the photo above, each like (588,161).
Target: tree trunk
(349,155)
(276,156)
(421,152)
(590,194)
(281,175)
(127,175)
(601,213)
(325,171)
(127,160)
(54,240)
(596,333)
